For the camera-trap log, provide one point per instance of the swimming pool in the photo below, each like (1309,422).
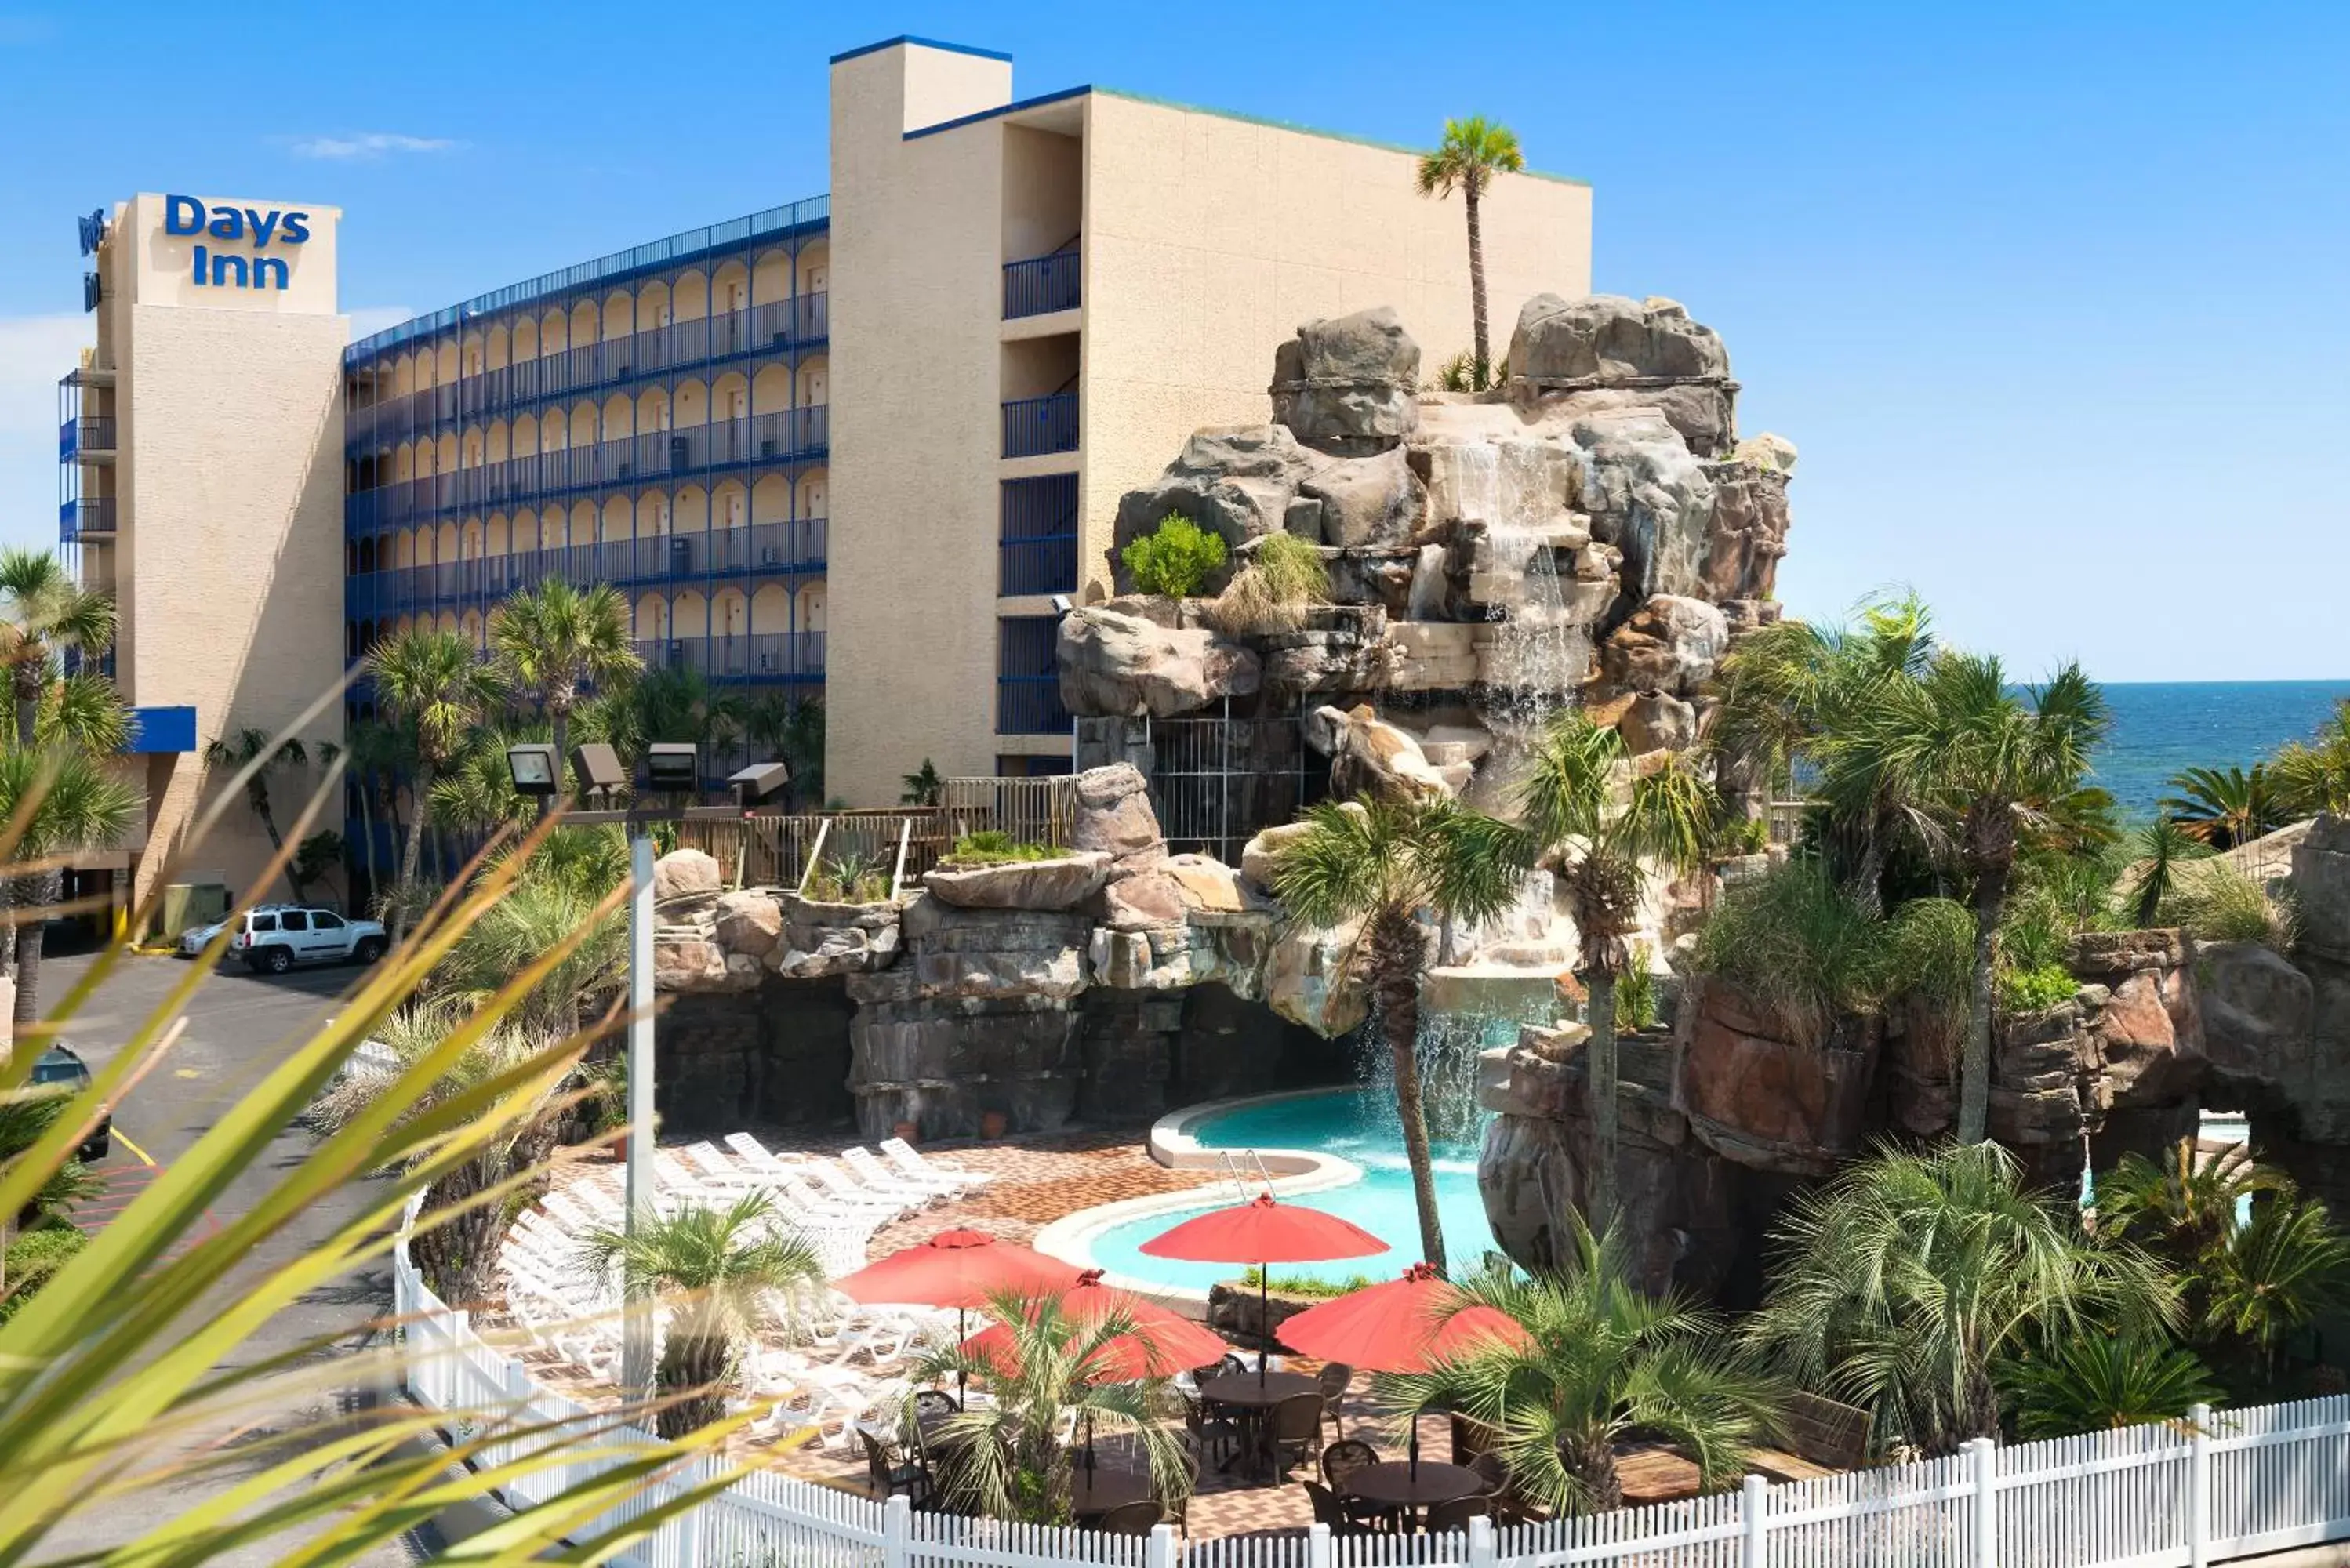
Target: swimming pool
(1357,1124)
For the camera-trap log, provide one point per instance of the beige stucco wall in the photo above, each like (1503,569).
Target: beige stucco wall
(916,298)
(230,500)
(1209,238)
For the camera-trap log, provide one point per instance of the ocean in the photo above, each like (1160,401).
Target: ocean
(2162,727)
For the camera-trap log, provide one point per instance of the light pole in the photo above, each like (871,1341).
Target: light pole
(671,769)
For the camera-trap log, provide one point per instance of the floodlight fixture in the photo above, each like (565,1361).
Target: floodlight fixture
(599,767)
(673,767)
(1061,605)
(757,782)
(532,768)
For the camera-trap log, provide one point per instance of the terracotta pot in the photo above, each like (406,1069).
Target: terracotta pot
(991,1124)
(906,1130)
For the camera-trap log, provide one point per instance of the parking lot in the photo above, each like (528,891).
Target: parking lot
(239,1025)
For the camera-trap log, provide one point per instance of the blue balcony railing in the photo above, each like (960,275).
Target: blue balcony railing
(90,432)
(762,549)
(1040,284)
(91,515)
(1030,705)
(1047,566)
(1038,532)
(787,435)
(799,322)
(1033,426)
(79,662)
(769,656)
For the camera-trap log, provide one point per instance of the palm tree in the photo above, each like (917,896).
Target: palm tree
(2163,847)
(1472,151)
(2278,1274)
(2223,808)
(2102,1382)
(553,641)
(1605,849)
(713,1266)
(790,730)
(549,903)
(1979,764)
(2314,775)
(231,753)
(1791,686)
(458,1253)
(1601,1362)
(70,800)
(377,753)
(2184,1207)
(44,612)
(924,786)
(432,679)
(1905,1282)
(1009,1459)
(1380,866)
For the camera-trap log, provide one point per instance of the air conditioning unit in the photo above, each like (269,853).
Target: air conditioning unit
(771,555)
(676,649)
(768,664)
(767,450)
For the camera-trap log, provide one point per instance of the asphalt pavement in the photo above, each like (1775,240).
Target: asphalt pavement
(239,1025)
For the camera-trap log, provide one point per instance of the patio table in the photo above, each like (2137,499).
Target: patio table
(1096,1492)
(1398,1486)
(1243,1392)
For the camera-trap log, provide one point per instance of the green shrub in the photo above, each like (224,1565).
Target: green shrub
(1635,992)
(2215,902)
(849,878)
(993,847)
(1738,835)
(1312,1285)
(33,1258)
(1175,559)
(1283,579)
(1798,944)
(2036,989)
(1930,962)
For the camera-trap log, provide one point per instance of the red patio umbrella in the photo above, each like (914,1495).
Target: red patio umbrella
(1263,1232)
(1164,1342)
(1407,1324)
(958,1268)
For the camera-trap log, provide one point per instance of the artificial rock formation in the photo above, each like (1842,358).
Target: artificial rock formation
(1593,533)
(1099,983)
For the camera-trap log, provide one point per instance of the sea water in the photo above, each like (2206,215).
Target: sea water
(2160,729)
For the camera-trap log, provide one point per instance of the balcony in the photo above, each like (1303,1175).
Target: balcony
(1030,705)
(88,433)
(79,662)
(89,517)
(766,655)
(787,435)
(1034,426)
(763,549)
(1038,536)
(800,322)
(1041,285)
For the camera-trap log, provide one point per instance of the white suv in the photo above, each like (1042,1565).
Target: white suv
(275,940)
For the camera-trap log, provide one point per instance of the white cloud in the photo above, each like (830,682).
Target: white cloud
(370,144)
(35,352)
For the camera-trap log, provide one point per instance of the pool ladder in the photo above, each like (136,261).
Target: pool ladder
(1238,1164)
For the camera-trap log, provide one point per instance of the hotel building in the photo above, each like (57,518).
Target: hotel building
(851,447)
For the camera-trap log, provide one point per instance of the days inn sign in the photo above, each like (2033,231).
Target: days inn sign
(249,228)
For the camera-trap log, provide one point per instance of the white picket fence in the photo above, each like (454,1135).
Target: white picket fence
(2226,1484)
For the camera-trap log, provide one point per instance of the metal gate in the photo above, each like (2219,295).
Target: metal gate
(1218,782)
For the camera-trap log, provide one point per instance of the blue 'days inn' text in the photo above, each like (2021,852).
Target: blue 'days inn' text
(213,268)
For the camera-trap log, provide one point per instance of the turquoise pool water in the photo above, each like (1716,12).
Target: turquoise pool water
(1354,1124)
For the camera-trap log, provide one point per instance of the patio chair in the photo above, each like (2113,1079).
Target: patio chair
(1446,1517)
(1130,1518)
(887,1478)
(1294,1432)
(1344,1457)
(1492,1473)
(833,1183)
(913,1162)
(935,1402)
(1333,1379)
(1207,1425)
(1330,1510)
(842,1175)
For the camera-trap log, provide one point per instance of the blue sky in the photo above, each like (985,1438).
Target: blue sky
(2052,298)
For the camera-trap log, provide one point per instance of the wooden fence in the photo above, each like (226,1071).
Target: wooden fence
(766,850)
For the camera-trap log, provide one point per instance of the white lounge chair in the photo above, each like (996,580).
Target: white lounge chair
(881,1178)
(913,1162)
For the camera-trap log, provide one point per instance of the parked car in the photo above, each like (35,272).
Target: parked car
(274,941)
(196,937)
(58,1067)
